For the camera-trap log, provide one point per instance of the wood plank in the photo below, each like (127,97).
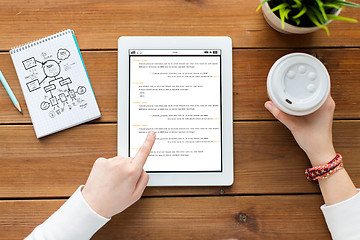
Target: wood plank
(251,68)
(268,217)
(98,24)
(267,160)
(249,83)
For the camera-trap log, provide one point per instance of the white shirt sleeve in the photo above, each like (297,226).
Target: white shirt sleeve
(343,218)
(75,219)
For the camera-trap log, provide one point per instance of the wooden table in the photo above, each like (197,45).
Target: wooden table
(270,198)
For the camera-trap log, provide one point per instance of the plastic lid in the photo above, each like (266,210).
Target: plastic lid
(298,84)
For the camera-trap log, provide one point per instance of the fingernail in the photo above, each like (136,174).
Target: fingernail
(151,133)
(268,106)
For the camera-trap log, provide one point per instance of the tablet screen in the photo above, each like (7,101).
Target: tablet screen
(177,94)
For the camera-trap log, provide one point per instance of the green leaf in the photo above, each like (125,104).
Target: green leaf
(282,17)
(297,4)
(318,15)
(334,17)
(312,17)
(280,6)
(286,13)
(302,12)
(322,10)
(297,21)
(262,3)
(331,5)
(346,3)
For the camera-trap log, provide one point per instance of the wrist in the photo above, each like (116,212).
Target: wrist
(322,157)
(92,200)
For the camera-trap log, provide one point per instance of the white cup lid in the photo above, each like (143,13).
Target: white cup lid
(298,84)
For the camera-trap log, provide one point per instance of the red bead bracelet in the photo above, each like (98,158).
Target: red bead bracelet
(324,171)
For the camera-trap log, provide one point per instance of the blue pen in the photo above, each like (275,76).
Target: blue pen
(10,92)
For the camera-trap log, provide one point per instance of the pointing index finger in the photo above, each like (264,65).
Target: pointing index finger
(144,151)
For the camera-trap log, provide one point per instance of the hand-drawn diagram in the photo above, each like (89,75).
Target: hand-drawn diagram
(60,94)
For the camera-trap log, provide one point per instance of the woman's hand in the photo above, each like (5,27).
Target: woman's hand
(312,132)
(115,184)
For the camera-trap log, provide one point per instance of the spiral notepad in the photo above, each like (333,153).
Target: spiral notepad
(55,83)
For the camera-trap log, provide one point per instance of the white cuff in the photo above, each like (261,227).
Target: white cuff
(343,218)
(75,219)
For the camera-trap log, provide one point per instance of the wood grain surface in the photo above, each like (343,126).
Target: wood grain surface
(249,82)
(267,160)
(264,217)
(270,189)
(98,24)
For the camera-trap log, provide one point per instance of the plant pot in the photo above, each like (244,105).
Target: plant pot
(275,22)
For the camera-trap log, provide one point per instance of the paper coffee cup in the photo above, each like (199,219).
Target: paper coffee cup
(298,84)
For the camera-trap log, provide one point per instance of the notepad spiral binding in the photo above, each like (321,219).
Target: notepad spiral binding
(39,41)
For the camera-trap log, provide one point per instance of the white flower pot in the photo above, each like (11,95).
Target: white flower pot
(275,22)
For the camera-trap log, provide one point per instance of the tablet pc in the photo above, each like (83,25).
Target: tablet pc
(180,88)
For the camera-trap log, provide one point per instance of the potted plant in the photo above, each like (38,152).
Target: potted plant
(303,16)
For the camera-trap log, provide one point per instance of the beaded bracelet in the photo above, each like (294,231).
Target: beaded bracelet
(324,171)
(338,167)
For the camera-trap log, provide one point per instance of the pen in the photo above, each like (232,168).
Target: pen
(10,92)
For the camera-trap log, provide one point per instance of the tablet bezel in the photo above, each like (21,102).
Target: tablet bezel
(224,178)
